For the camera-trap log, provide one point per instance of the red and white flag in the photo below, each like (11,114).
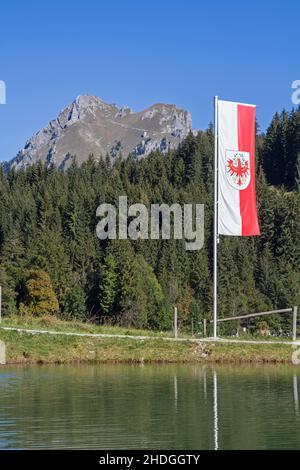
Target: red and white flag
(237,214)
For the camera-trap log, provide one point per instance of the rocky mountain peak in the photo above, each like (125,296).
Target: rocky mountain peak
(89,125)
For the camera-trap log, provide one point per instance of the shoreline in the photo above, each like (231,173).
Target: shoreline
(35,348)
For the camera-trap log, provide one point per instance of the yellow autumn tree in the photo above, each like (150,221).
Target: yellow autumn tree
(40,298)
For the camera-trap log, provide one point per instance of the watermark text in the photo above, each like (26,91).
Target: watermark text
(2,92)
(160,221)
(296,93)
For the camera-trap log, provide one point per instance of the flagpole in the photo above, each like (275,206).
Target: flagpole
(215,236)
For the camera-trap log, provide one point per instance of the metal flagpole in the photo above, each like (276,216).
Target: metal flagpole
(215,237)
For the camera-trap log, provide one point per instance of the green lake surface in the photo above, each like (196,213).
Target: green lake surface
(149,407)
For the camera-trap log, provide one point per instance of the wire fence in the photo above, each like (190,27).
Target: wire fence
(242,321)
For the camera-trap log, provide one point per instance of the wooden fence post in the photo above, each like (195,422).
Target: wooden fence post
(175,323)
(204,327)
(294,334)
(2,353)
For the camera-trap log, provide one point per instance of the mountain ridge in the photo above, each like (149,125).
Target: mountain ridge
(89,125)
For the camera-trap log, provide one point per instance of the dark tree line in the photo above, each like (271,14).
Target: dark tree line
(280,153)
(52,261)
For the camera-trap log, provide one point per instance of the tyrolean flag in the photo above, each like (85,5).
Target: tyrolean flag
(237,213)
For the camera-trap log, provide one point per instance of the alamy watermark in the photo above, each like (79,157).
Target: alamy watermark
(138,222)
(296,94)
(2,92)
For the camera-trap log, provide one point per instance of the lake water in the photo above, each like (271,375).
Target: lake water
(149,407)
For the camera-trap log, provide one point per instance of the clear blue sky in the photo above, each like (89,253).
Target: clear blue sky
(139,52)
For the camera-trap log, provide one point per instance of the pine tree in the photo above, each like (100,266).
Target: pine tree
(108,285)
(74,305)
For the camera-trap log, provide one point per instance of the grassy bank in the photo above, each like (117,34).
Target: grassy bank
(43,348)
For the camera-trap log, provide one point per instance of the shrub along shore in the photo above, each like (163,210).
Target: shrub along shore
(30,348)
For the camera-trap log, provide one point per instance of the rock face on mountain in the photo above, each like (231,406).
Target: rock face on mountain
(91,126)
